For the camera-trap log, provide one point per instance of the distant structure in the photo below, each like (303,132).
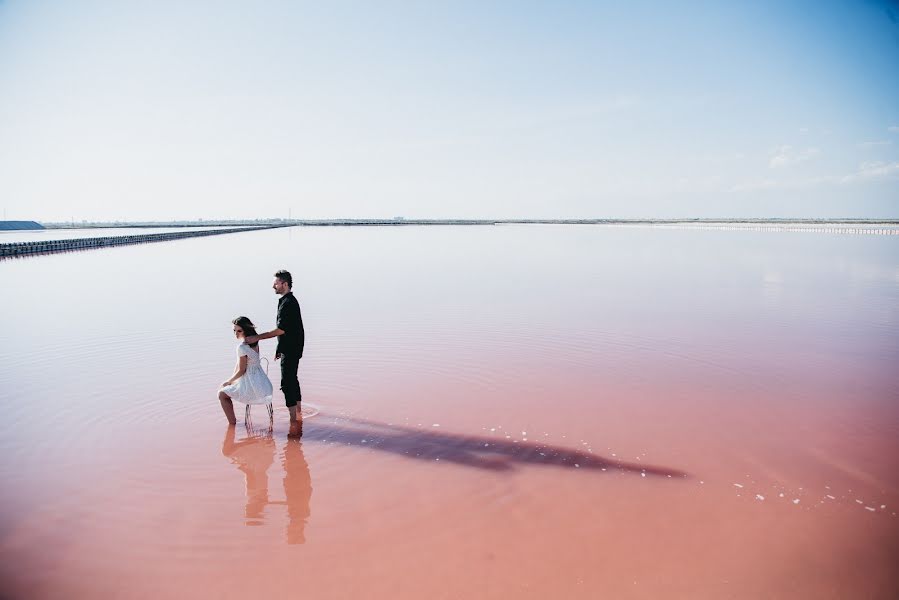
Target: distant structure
(16,225)
(18,249)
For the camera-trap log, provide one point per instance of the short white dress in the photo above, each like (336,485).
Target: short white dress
(253,387)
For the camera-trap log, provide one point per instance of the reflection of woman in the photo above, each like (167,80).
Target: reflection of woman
(249,383)
(253,456)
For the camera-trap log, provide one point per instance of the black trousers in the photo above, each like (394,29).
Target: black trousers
(290,385)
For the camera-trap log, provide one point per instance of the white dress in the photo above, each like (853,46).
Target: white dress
(253,387)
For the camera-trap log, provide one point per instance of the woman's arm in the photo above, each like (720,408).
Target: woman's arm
(239,370)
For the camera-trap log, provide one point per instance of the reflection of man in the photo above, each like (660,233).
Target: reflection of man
(253,456)
(297,489)
(291,339)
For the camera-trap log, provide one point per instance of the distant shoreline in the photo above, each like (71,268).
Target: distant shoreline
(399,222)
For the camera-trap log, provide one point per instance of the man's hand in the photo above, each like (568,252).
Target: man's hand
(277,355)
(251,339)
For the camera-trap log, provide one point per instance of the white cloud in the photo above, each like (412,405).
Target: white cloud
(893,128)
(866,172)
(872,170)
(784,184)
(874,144)
(786,156)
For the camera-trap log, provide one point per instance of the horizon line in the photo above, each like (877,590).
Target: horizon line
(453,220)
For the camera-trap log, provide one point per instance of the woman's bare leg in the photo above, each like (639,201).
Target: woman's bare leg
(228,407)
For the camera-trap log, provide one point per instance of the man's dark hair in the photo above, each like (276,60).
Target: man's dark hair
(285,277)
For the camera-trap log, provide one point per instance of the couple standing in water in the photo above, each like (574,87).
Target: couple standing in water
(249,384)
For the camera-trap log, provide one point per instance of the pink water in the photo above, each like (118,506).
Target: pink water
(515,411)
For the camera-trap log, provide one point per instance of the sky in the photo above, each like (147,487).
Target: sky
(241,110)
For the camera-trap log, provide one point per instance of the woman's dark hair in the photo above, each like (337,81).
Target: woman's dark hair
(247,326)
(285,277)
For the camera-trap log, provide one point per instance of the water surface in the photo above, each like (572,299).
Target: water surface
(50,235)
(509,411)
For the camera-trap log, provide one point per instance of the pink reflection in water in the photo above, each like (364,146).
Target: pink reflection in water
(544,412)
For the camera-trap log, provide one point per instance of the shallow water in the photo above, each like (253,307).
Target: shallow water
(509,411)
(49,235)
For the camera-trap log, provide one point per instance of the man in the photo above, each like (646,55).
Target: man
(291,338)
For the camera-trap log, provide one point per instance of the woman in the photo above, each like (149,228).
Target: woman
(249,383)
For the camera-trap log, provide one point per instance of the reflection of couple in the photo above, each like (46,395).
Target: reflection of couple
(249,384)
(253,456)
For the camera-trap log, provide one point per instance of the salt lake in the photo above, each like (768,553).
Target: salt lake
(524,411)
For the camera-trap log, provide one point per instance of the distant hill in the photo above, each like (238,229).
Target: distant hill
(9,225)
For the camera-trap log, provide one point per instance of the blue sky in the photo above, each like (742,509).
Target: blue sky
(170,110)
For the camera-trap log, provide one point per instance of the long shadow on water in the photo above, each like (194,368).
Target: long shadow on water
(471,451)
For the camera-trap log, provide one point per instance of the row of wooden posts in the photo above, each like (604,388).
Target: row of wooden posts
(809,229)
(50,246)
(45,247)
